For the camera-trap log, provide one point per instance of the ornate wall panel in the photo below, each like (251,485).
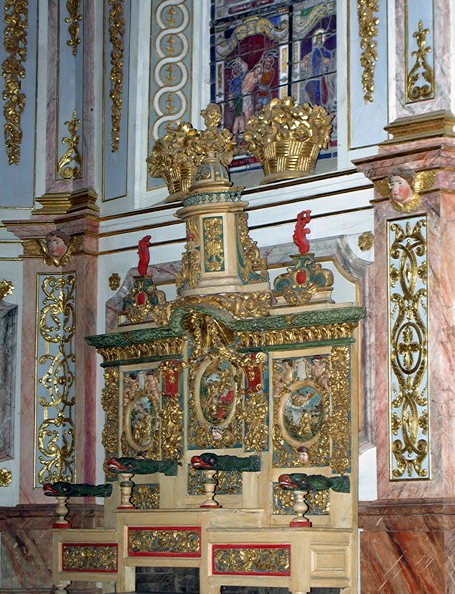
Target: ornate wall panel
(69,92)
(419,52)
(408,344)
(164,541)
(55,378)
(90,557)
(117,19)
(18,57)
(367,73)
(251,559)
(170,69)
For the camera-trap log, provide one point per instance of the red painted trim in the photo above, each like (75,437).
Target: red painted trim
(251,546)
(90,544)
(164,529)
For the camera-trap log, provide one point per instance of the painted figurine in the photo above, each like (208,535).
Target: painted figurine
(144,255)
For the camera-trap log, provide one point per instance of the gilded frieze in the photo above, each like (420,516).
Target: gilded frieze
(89,557)
(110,404)
(73,8)
(146,496)
(420,80)
(408,355)
(15,16)
(56,378)
(117,41)
(164,542)
(252,559)
(140,351)
(72,154)
(368,31)
(229,483)
(283,502)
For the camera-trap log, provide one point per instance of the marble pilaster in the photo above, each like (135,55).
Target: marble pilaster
(84,265)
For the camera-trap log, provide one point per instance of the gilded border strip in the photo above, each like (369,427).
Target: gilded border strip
(368,31)
(117,40)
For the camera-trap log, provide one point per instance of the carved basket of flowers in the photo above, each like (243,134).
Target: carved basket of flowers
(175,158)
(287,137)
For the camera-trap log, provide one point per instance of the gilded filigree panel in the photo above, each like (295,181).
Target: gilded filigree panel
(110,404)
(90,557)
(311,410)
(55,378)
(408,349)
(251,559)
(213,238)
(229,483)
(146,496)
(164,542)
(283,501)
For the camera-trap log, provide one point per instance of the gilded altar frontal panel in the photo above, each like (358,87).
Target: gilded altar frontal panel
(409,439)
(312,408)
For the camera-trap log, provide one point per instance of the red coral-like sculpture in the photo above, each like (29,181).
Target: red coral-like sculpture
(300,232)
(144,256)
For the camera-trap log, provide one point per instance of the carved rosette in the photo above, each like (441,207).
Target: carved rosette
(286,138)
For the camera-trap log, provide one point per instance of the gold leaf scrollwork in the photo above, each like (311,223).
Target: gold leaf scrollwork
(255,402)
(74,11)
(117,40)
(15,45)
(408,303)
(110,404)
(5,477)
(72,153)
(89,557)
(420,70)
(255,560)
(146,496)
(6,288)
(165,540)
(213,244)
(368,30)
(56,366)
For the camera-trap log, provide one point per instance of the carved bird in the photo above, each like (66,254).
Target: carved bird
(299,481)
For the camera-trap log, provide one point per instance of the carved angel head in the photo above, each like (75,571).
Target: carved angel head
(403,186)
(57,243)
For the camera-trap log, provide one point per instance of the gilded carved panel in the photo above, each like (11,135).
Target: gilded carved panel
(90,557)
(55,378)
(311,409)
(164,542)
(251,559)
(408,349)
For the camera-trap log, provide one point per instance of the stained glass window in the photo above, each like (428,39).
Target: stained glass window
(270,48)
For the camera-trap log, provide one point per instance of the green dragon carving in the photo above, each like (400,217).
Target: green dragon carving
(64,489)
(211,461)
(139,466)
(299,481)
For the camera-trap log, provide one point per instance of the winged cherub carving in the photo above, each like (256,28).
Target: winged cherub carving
(404,186)
(56,249)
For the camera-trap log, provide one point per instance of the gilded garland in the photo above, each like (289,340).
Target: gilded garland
(74,11)
(13,70)
(117,40)
(368,31)
(72,153)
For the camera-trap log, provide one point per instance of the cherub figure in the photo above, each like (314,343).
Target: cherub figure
(56,249)
(404,187)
